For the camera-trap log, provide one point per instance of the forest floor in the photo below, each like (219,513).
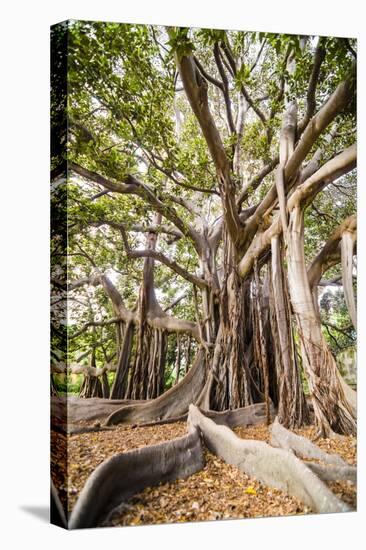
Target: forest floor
(218,491)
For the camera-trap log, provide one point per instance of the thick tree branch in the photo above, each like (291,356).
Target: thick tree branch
(244,91)
(140,228)
(132,185)
(225,88)
(91,371)
(94,324)
(330,254)
(196,90)
(73,285)
(345,330)
(319,57)
(334,168)
(326,114)
(330,109)
(257,180)
(208,77)
(330,171)
(160,257)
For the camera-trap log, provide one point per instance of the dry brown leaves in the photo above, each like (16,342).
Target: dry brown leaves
(59,464)
(345,447)
(86,451)
(219,491)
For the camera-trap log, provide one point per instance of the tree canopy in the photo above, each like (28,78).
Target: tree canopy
(211,201)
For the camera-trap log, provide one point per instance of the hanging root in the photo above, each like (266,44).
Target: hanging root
(347,245)
(125,474)
(278,468)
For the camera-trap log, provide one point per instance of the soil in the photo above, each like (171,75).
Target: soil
(218,491)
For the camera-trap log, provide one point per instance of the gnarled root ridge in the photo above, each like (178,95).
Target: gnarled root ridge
(66,410)
(278,468)
(245,416)
(173,403)
(125,474)
(333,467)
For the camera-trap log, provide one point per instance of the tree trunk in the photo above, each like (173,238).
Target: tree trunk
(347,244)
(292,410)
(177,360)
(119,385)
(230,371)
(331,408)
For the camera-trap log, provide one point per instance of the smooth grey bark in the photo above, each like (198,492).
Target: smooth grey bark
(125,474)
(347,245)
(274,467)
(332,411)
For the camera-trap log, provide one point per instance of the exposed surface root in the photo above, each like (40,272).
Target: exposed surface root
(86,452)
(217,491)
(245,416)
(57,512)
(333,473)
(275,467)
(173,403)
(331,467)
(281,437)
(74,409)
(127,473)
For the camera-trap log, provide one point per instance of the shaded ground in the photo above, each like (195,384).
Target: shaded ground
(219,491)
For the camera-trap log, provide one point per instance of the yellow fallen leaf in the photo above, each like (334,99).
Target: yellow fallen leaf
(250,491)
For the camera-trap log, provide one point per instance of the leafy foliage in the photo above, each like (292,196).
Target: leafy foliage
(128,117)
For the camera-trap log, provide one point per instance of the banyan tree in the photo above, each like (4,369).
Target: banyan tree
(210,190)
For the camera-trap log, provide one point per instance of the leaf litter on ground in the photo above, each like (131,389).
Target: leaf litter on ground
(218,491)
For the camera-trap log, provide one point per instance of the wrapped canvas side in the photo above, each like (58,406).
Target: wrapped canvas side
(58,173)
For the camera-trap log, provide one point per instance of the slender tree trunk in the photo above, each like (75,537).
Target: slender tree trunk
(347,245)
(292,411)
(332,411)
(178,359)
(261,344)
